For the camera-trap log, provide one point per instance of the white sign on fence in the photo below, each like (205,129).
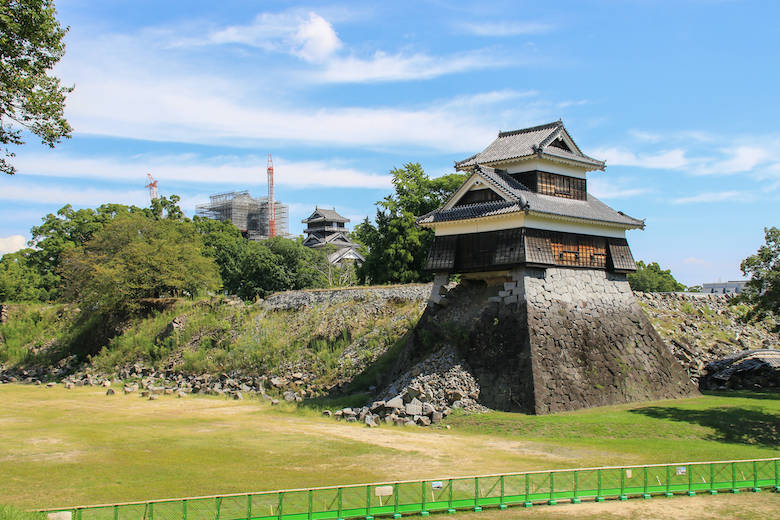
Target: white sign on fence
(681,470)
(384,491)
(437,485)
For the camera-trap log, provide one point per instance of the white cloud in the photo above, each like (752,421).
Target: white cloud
(671,159)
(743,158)
(267,31)
(314,39)
(398,67)
(143,87)
(755,155)
(697,261)
(12,244)
(76,197)
(506,28)
(308,36)
(249,170)
(614,188)
(133,102)
(721,196)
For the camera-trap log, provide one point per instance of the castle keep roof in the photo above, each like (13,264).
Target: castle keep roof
(321,214)
(518,198)
(550,141)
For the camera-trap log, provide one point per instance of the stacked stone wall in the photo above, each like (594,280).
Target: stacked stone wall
(551,340)
(591,343)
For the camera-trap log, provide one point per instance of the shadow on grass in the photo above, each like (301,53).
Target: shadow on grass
(772,394)
(732,424)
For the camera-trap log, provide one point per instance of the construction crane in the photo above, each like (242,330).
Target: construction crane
(271,202)
(153,193)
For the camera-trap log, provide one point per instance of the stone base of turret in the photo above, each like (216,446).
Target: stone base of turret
(550,340)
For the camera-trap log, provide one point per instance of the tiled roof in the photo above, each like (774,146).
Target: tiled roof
(469,211)
(339,239)
(523,199)
(329,215)
(528,142)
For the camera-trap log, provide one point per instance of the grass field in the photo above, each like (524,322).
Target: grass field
(72,447)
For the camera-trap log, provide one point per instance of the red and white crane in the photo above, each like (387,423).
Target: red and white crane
(153,193)
(271,201)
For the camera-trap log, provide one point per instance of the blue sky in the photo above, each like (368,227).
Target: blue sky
(679,97)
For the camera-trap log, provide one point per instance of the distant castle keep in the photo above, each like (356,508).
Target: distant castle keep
(326,228)
(551,321)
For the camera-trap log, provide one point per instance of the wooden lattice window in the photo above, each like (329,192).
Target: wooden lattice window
(442,254)
(620,258)
(497,249)
(579,250)
(561,186)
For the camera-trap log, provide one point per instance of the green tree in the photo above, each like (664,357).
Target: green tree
(651,278)
(133,258)
(397,246)
(19,280)
(763,289)
(273,265)
(71,228)
(31,43)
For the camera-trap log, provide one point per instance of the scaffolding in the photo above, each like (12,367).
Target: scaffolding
(250,215)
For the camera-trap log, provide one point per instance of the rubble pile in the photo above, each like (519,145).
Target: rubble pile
(748,370)
(428,393)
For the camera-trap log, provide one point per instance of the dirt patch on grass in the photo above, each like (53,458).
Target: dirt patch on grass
(744,506)
(438,450)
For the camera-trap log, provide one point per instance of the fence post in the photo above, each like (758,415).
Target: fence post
(645,494)
(713,491)
(451,509)
(552,501)
(476,494)
(690,492)
(368,503)
(341,495)
(669,481)
(116,513)
(623,495)
(279,510)
(734,488)
(219,504)
(576,499)
(396,514)
(151,511)
(183,511)
(502,504)
(599,498)
(311,504)
(777,475)
(424,509)
(756,489)
(527,502)
(248,507)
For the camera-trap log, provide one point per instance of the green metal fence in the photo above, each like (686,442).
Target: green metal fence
(450,494)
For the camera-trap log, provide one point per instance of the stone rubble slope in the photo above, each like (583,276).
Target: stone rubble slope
(298,300)
(703,328)
(698,328)
(429,392)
